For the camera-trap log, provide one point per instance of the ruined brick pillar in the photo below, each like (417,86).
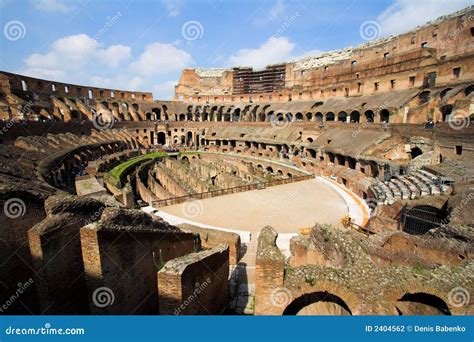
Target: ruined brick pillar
(195,284)
(55,247)
(269,272)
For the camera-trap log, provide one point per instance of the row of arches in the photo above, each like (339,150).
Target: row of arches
(327,303)
(354,116)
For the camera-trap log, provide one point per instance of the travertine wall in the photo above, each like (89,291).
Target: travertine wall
(46,87)
(439,46)
(196,284)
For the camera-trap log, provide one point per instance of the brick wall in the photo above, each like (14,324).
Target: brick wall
(125,258)
(195,284)
(55,247)
(269,272)
(212,238)
(15,267)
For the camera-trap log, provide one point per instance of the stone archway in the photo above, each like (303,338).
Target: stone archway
(318,303)
(161,138)
(421,303)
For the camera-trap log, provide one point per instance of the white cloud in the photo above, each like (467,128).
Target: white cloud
(161,58)
(76,53)
(81,59)
(274,50)
(164,89)
(114,55)
(53,6)
(173,7)
(404,15)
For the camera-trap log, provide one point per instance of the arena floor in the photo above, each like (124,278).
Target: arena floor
(287,207)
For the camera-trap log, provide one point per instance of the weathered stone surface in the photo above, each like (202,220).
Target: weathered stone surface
(122,253)
(196,283)
(211,238)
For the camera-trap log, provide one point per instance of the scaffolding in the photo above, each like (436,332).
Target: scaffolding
(248,81)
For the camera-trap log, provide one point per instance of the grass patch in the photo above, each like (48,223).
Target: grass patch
(117,171)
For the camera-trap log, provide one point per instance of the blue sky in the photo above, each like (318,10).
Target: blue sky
(143,44)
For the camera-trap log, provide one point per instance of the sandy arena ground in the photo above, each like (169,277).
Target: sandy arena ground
(287,208)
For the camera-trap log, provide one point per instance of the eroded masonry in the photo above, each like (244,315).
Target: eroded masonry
(86,174)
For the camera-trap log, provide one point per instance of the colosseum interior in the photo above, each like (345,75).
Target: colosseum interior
(337,184)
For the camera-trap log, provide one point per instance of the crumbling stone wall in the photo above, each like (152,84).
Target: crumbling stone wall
(155,187)
(378,274)
(169,183)
(122,253)
(269,272)
(211,238)
(55,248)
(195,284)
(21,209)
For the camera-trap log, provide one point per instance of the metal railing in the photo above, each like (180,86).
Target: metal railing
(228,191)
